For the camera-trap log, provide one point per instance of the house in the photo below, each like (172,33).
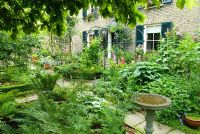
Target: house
(158,21)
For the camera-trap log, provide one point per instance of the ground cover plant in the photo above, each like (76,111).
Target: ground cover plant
(79,111)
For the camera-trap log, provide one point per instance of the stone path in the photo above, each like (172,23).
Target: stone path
(65,83)
(60,82)
(137,120)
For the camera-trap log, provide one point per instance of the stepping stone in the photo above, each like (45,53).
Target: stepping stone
(134,119)
(158,127)
(176,132)
(63,83)
(27,99)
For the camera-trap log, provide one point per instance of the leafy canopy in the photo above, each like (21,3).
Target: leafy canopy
(31,15)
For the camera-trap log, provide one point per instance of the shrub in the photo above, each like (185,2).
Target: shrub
(44,81)
(77,71)
(13,74)
(16,51)
(91,55)
(141,73)
(177,90)
(19,87)
(180,56)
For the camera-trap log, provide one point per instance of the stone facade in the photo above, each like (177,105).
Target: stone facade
(186,21)
(85,25)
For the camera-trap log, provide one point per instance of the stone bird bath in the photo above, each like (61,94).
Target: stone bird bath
(151,103)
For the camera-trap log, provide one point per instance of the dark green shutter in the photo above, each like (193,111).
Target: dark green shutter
(139,35)
(84,37)
(96,33)
(84,14)
(166,26)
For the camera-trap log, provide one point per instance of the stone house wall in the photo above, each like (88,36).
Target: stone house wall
(186,21)
(85,25)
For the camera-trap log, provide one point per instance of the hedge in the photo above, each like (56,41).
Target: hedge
(21,87)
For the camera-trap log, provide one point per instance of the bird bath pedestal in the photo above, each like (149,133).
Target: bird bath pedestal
(151,103)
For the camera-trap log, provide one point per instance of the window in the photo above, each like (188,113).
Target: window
(152,37)
(91,13)
(153,40)
(149,35)
(151,5)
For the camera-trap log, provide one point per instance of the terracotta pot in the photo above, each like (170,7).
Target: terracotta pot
(46,66)
(191,123)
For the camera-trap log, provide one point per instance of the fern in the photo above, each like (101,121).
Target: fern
(44,81)
(6,129)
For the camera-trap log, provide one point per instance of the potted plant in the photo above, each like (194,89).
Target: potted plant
(46,62)
(34,58)
(139,53)
(192,120)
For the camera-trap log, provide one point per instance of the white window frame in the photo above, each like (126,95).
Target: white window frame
(156,28)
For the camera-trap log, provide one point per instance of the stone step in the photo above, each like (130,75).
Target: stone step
(137,121)
(27,99)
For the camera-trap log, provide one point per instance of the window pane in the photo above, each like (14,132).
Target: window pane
(156,44)
(149,45)
(156,36)
(150,36)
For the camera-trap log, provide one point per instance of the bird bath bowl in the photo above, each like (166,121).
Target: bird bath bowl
(151,103)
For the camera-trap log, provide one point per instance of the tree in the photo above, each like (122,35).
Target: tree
(31,15)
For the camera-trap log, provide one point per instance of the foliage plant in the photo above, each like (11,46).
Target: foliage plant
(44,81)
(91,55)
(79,71)
(14,75)
(52,14)
(139,50)
(16,51)
(180,56)
(81,111)
(178,90)
(35,15)
(128,56)
(8,109)
(122,36)
(142,73)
